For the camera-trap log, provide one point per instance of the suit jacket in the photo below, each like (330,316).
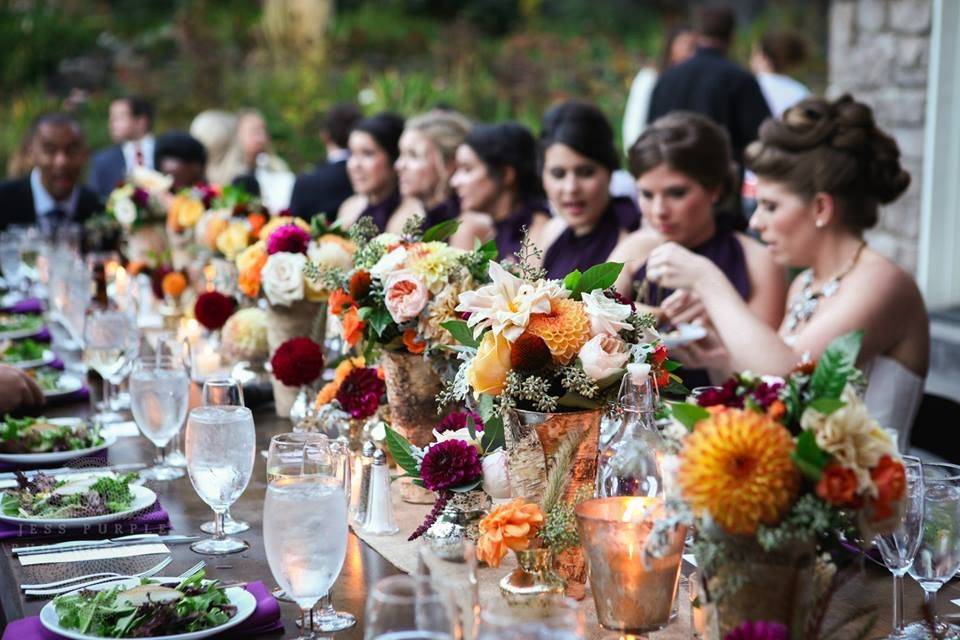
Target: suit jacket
(713,85)
(107,168)
(322,190)
(17,207)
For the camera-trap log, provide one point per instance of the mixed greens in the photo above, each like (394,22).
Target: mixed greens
(39,435)
(43,496)
(47,378)
(23,351)
(19,322)
(147,610)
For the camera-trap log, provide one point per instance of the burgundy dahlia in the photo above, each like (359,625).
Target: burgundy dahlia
(450,464)
(458,420)
(212,309)
(140,197)
(359,393)
(725,396)
(760,630)
(298,361)
(288,239)
(766,393)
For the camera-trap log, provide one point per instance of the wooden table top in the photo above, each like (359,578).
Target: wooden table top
(363,566)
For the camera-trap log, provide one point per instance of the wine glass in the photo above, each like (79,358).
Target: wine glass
(13,269)
(109,348)
(166,343)
(409,607)
(159,395)
(454,571)
(938,556)
(221,447)
(558,619)
(898,547)
(305,536)
(223,392)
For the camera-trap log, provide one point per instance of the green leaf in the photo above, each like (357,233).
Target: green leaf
(671,365)
(488,249)
(809,457)
(826,406)
(576,400)
(402,452)
(471,427)
(440,232)
(9,505)
(601,276)
(379,320)
(836,366)
(486,409)
(492,438)
(688,414)
(572,279)
(461,332)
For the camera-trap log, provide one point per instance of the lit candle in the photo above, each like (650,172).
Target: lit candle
(207,362)
(210,275)
(190,330)
(633,589)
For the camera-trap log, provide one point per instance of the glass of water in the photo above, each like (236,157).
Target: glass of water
(409,608)
(938,556)
(220,392)
(899,546)
(558,619)
(110,345)
(221,447)
(159,395)
(305,537)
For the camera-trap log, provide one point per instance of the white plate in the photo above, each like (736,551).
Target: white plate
(142,498)
(47,358)
(239,597)
(67,383)
(684,333)
(20,333)
(54,457)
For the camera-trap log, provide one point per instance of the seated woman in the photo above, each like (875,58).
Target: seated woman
(684,167)
(374,148)
(822,169)
(496,180)
(427,161)
(578,156)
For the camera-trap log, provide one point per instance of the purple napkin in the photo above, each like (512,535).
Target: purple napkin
(80,395)
(97,459)
(154,520)
(30,305)
(43,335)
(264,619)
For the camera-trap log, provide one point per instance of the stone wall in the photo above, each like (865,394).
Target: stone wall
(879,52)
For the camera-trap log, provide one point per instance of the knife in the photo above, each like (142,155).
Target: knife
(110,543)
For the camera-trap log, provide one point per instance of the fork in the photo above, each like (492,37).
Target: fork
(152,571)
(92,576)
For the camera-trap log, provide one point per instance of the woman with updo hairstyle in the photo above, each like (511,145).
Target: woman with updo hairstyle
(374,148)
(578,157)
(497,183)
(822,169)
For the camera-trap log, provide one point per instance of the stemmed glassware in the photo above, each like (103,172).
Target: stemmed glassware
(558,619)
(159,395)
(899,546)
(14,272)
(938,556)
(110,344)
(304,520)
(219,392)
(409,607)
(221,447)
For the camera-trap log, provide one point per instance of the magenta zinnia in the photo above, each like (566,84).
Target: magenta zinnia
(288,239)
(449,464)
(359,393)
(458,420)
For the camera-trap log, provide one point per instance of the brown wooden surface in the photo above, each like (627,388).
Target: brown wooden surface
(363,566)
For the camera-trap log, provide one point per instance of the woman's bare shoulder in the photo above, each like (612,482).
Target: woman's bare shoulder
(351,209)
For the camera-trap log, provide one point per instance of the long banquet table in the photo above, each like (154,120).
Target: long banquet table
(363,566)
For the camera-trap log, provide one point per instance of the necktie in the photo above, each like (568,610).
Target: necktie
(137,155)
(52,221)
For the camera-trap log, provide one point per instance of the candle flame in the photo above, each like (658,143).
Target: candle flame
(209,274)
(638,509)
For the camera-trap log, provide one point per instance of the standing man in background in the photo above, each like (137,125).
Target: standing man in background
(131,126)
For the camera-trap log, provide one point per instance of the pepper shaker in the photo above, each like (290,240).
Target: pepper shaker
(365,464)
(379,519)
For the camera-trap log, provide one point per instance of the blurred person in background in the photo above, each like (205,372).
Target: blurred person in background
(217,132)
(374,148)
(131,126)
(773,55)
(265,174)
(19,390)
(324,189)
(52,193)
(182,157)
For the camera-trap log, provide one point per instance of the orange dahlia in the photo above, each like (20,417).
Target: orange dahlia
(508,526)
(565,329)
(736,467)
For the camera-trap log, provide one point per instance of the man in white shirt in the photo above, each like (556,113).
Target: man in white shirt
(131,125)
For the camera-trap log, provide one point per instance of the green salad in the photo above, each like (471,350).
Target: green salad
(43,496)
(23,351)
(39,435)
(19,322)
(47,378)
(147,610)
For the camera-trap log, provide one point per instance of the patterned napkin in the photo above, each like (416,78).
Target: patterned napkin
(264,619)
(153,520)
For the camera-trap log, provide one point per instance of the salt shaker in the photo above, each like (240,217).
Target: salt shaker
(379,520)
(365,464)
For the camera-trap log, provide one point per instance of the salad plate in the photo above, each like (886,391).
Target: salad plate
(77,440)
(684,333)
(106,609)
(53,502)
(56,384)
(13,326)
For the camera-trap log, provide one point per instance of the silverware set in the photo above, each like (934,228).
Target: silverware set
(93,579)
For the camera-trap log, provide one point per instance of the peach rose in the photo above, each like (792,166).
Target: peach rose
(603,356)
(489,369)
(406,296)
(508,526)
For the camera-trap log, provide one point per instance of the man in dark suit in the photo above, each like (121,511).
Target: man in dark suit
(711,84)
(52,194)
(131,123)
(325,188)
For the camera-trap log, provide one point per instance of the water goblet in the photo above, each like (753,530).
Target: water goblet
(305,537)
(558,619)
(223,392)
(159,394)
(110,344)
(221,447)
(409,607)
(898,547)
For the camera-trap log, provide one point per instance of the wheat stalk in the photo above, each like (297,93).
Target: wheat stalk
(557,478)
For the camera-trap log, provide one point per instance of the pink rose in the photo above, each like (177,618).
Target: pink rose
(603,356)
(406,296)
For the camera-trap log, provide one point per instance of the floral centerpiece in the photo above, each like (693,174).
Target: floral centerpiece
(772,472)
(138,200)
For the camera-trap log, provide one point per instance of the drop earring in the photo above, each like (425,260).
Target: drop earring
(819,224)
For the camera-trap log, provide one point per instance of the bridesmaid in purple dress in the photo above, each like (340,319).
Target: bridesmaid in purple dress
(374,147)
(496,180)
(578,157)
(684,167)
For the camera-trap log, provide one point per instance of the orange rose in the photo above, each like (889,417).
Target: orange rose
(360,284)
(173,284)
(776,410)
(508,526)
(250,265)
(410,341)
(338,300)
(352,326)
(838,485)
(891,482)
(215,226)
(256,220)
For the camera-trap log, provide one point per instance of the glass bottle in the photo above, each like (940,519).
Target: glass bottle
(628,464)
